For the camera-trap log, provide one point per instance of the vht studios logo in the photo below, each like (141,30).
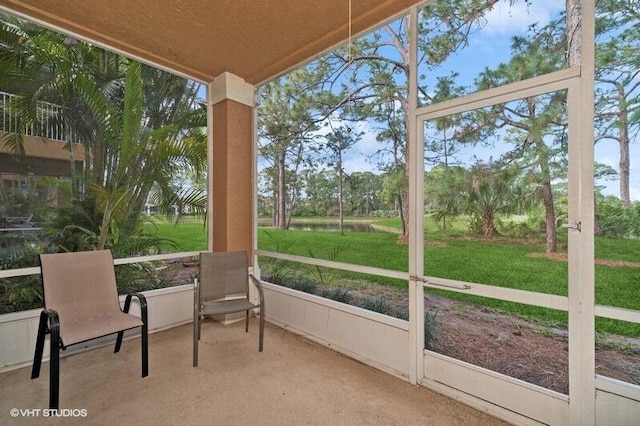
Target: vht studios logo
(48,412)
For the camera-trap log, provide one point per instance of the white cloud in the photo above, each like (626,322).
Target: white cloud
(358,158)
(509,19)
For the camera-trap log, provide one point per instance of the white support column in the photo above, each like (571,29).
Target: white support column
(415,149)
(209,167)
(254,171)
(581,241)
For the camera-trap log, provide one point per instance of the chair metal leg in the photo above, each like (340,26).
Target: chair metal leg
(260,344)
(196,320)
(246,322)
(145,350)
(49,320)
(127,305)
(196,337)
(54,365)
(144,333)
(118,342)
(199,326)
(37,357)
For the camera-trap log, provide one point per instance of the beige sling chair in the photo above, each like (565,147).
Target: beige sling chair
(81,303)
(222,287)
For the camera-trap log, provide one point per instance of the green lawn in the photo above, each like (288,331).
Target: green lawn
(187,236)
(495,263)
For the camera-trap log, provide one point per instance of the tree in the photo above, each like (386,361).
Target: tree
(381,71)
(440,145)
(320,191)
(535,125)
(393,188)
(338,141)
(290,111)
(138,125)
(445,190)
(491,190)
(618,82)
(362,192)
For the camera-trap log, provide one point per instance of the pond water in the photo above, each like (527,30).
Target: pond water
(329,227)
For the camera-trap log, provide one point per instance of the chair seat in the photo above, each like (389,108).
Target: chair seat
(227,306)
(76,331)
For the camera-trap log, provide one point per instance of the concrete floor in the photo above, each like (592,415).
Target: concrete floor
(294,381)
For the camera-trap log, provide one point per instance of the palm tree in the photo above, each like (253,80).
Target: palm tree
(139,125)
(491,191)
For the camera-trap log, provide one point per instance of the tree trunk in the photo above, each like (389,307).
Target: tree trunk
(597,228)
(547,197)
(340,200)
(274,208)
(282,193)
(403,200)
(550,217)
(574,32)
(623,120)
(488,229)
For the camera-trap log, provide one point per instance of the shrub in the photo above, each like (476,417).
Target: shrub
(377,304)
(431,328)
(338,294)
(302,284)
(616,220)
(384,213)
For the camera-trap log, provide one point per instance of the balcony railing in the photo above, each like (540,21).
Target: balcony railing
(48,114)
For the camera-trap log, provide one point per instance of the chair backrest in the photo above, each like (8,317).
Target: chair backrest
(223,274)
(79,284)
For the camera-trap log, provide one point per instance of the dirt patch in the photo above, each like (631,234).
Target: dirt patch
(562,257)
(510,345)
(522,349)
(435,243)
(487,338)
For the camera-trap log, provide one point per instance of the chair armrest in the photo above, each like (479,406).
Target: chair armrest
(258,284)
(53,321)
(49,323)
(143,305)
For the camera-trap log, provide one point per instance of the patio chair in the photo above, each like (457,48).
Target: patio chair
(222,287)
(81,304)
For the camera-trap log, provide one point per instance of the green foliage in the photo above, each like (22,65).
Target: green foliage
(303,284)
(136,277)
(384,214)
(394,185)
(625,348)
(491,191)
(141,126)
(339,294)
(20,293)
(377,304)
(617,220)
(332,254)
(431,328)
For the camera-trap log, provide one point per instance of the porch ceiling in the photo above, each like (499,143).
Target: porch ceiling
(253,39)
